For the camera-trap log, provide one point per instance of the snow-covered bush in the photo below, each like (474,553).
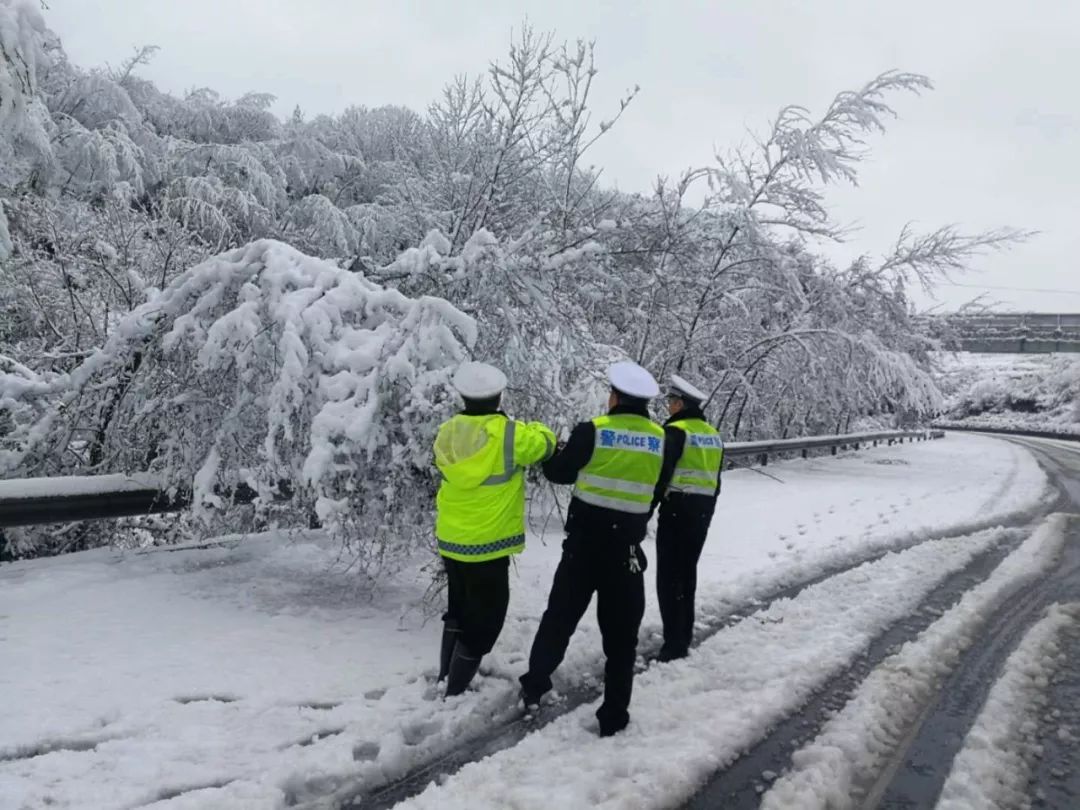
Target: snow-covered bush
(1034,392)
(266,367)
(24,120)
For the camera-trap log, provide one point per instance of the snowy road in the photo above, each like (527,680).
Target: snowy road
(857,615)
(859,691)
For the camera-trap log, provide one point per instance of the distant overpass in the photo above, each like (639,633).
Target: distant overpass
(1011,332)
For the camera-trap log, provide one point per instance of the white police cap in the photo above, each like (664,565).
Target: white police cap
(479,381)
(681,388)
(631,379)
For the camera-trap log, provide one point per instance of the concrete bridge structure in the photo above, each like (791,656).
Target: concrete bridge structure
(1012,332)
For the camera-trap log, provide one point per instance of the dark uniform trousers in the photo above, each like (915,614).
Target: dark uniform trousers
(680,537)
(478,594)
(613,570)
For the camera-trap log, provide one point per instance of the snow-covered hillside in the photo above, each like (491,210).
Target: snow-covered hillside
(1020,391)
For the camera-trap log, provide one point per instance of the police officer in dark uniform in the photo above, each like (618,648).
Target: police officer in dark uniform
(693,459)
(614,462)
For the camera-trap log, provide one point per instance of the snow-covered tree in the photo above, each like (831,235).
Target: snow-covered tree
(265,367)
(147,320)
(24,120)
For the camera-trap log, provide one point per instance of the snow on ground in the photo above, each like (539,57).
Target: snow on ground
(1013,421)
(260,671)
(852,746)
(692,717)
(992,769)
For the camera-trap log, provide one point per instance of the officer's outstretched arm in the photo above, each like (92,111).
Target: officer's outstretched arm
(533,442)
(563,467)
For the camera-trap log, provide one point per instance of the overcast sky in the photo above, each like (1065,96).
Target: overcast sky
(996,143)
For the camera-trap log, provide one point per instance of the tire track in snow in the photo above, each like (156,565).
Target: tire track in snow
(741,784)
(692,716)
(383,785)
(994,765)
(507,732)
(1056,774)
(922,767)
(917,778)
(850,763)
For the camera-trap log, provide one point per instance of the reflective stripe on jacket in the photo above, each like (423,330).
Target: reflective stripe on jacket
(625,464)
(697,472)
(480,508)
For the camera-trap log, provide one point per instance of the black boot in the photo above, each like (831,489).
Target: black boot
(671,653)
(463,666)
(531,692)
(611,722)
(450,635)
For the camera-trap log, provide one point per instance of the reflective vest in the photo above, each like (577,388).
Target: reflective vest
(697,472)
(481,501)
(625,464)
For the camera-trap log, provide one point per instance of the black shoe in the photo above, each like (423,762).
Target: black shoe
(530,699)
(463,666)
(450,636)
(671,654)
(530,692)
(609,726)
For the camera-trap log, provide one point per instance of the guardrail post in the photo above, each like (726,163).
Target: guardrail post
(833,448)
(764,459)
(804,453)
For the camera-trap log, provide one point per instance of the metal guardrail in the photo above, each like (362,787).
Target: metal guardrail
(1034,434)
(761,451)
(35,501)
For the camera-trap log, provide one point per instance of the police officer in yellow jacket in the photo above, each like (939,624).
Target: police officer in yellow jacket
(614,462)
(480,518)
(693,459)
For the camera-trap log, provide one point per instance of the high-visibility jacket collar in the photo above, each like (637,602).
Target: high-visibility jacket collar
(689,412)
(634,407)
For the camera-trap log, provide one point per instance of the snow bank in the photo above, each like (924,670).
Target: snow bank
(1013,422)
(992,769)
(828,772)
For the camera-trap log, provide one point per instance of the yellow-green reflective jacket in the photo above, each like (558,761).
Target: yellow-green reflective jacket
(697,472)
(480,508)
(625,464)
